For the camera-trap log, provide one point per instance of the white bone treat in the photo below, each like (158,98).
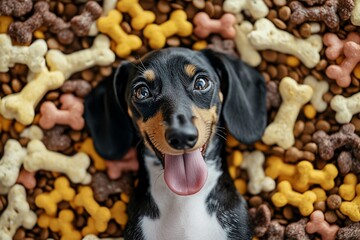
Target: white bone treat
(247,52)
(32,132)
(32,56)
(21,105)
(257,8)
(17,213)
(294,96)
(10,164)
(253,163)
(107,6)
(267,36)
(99,54)
(355,14)
(73,166)
(319,88)
(345,108)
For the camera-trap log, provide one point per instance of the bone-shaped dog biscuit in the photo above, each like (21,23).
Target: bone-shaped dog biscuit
(206,26)
(286,195)
(71,112)
(347,189)
(88,147)
(276,168)
(294,96)
(101,215)
(40,158)
(306,175)
(335,46)
(94,237)
(17,213)
(139,17)
(253,163)
(345,108)
(110,26)
(355,14)
(257,8)
(318,224)
(342,73)
(177,24)
(32,56)
(21,105)
(352,209)
(32,132)
(247,52)
(319,89)
(62,192)
(10,164)
(99,54)
(107,6)
(267,36)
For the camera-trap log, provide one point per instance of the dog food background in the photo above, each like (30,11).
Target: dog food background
(322,138)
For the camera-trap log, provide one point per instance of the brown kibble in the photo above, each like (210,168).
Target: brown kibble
(333,201)
(163,6)
(284,13)
(7,89)
(269,55)
(112,228)
(87,75)
(299,128)
(52,43)
(4,77)
(288,212)
(305,30)
(209,9)
(44,234)
(320,206)
(255,201)
(330,216)
(200,4)
(16,85)
(279,23)
(323,125)
(310,147)
(20,234)
(52,96)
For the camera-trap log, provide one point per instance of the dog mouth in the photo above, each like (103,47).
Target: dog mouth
(185,174)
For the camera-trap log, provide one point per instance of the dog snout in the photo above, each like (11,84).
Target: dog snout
(181,134)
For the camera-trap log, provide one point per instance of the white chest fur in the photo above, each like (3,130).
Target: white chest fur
(181,217)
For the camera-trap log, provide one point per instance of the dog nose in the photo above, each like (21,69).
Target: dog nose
(181,137)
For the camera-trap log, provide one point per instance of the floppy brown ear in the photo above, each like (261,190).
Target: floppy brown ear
(244,108)
(107,120)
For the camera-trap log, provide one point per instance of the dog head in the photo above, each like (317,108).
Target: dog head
(173,99)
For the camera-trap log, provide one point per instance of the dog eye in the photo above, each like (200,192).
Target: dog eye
(142,93)
(201,84)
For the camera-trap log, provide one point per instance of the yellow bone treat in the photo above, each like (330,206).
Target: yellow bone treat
(88,147)
(101,215)
(352,209)
(62,192)
(347,189)
(110,26)
(306,175)
(276,168)
(98,54)
(5,22)
(89,228)
(40,158)
(140,18)
(294,96)
(118,212)
(16,214)
(21,105)
(177,24)
(286,195)
(61,224)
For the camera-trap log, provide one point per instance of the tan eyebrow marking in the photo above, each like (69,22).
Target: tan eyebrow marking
(149,75)
(190,69)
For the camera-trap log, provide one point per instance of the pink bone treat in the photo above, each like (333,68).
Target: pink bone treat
(81,24)
(70,113)
(16,8)
(128,163)
(21,32)
(342,73)
(223,26)
(27,179)
(335,46)
(317,224)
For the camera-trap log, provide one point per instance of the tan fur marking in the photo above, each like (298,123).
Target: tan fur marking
(130,112)
(190,70)
(149,75)
(221,97)
(204,119)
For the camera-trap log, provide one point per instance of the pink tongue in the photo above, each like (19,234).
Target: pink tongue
(185,174)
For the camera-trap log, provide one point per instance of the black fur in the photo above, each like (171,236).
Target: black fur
(242,111)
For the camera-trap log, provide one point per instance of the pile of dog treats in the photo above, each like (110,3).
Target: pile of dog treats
(300,181)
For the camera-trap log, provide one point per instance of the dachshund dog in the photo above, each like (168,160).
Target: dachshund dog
(173,105)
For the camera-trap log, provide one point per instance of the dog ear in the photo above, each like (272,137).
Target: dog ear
(244,107)
(106,118)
